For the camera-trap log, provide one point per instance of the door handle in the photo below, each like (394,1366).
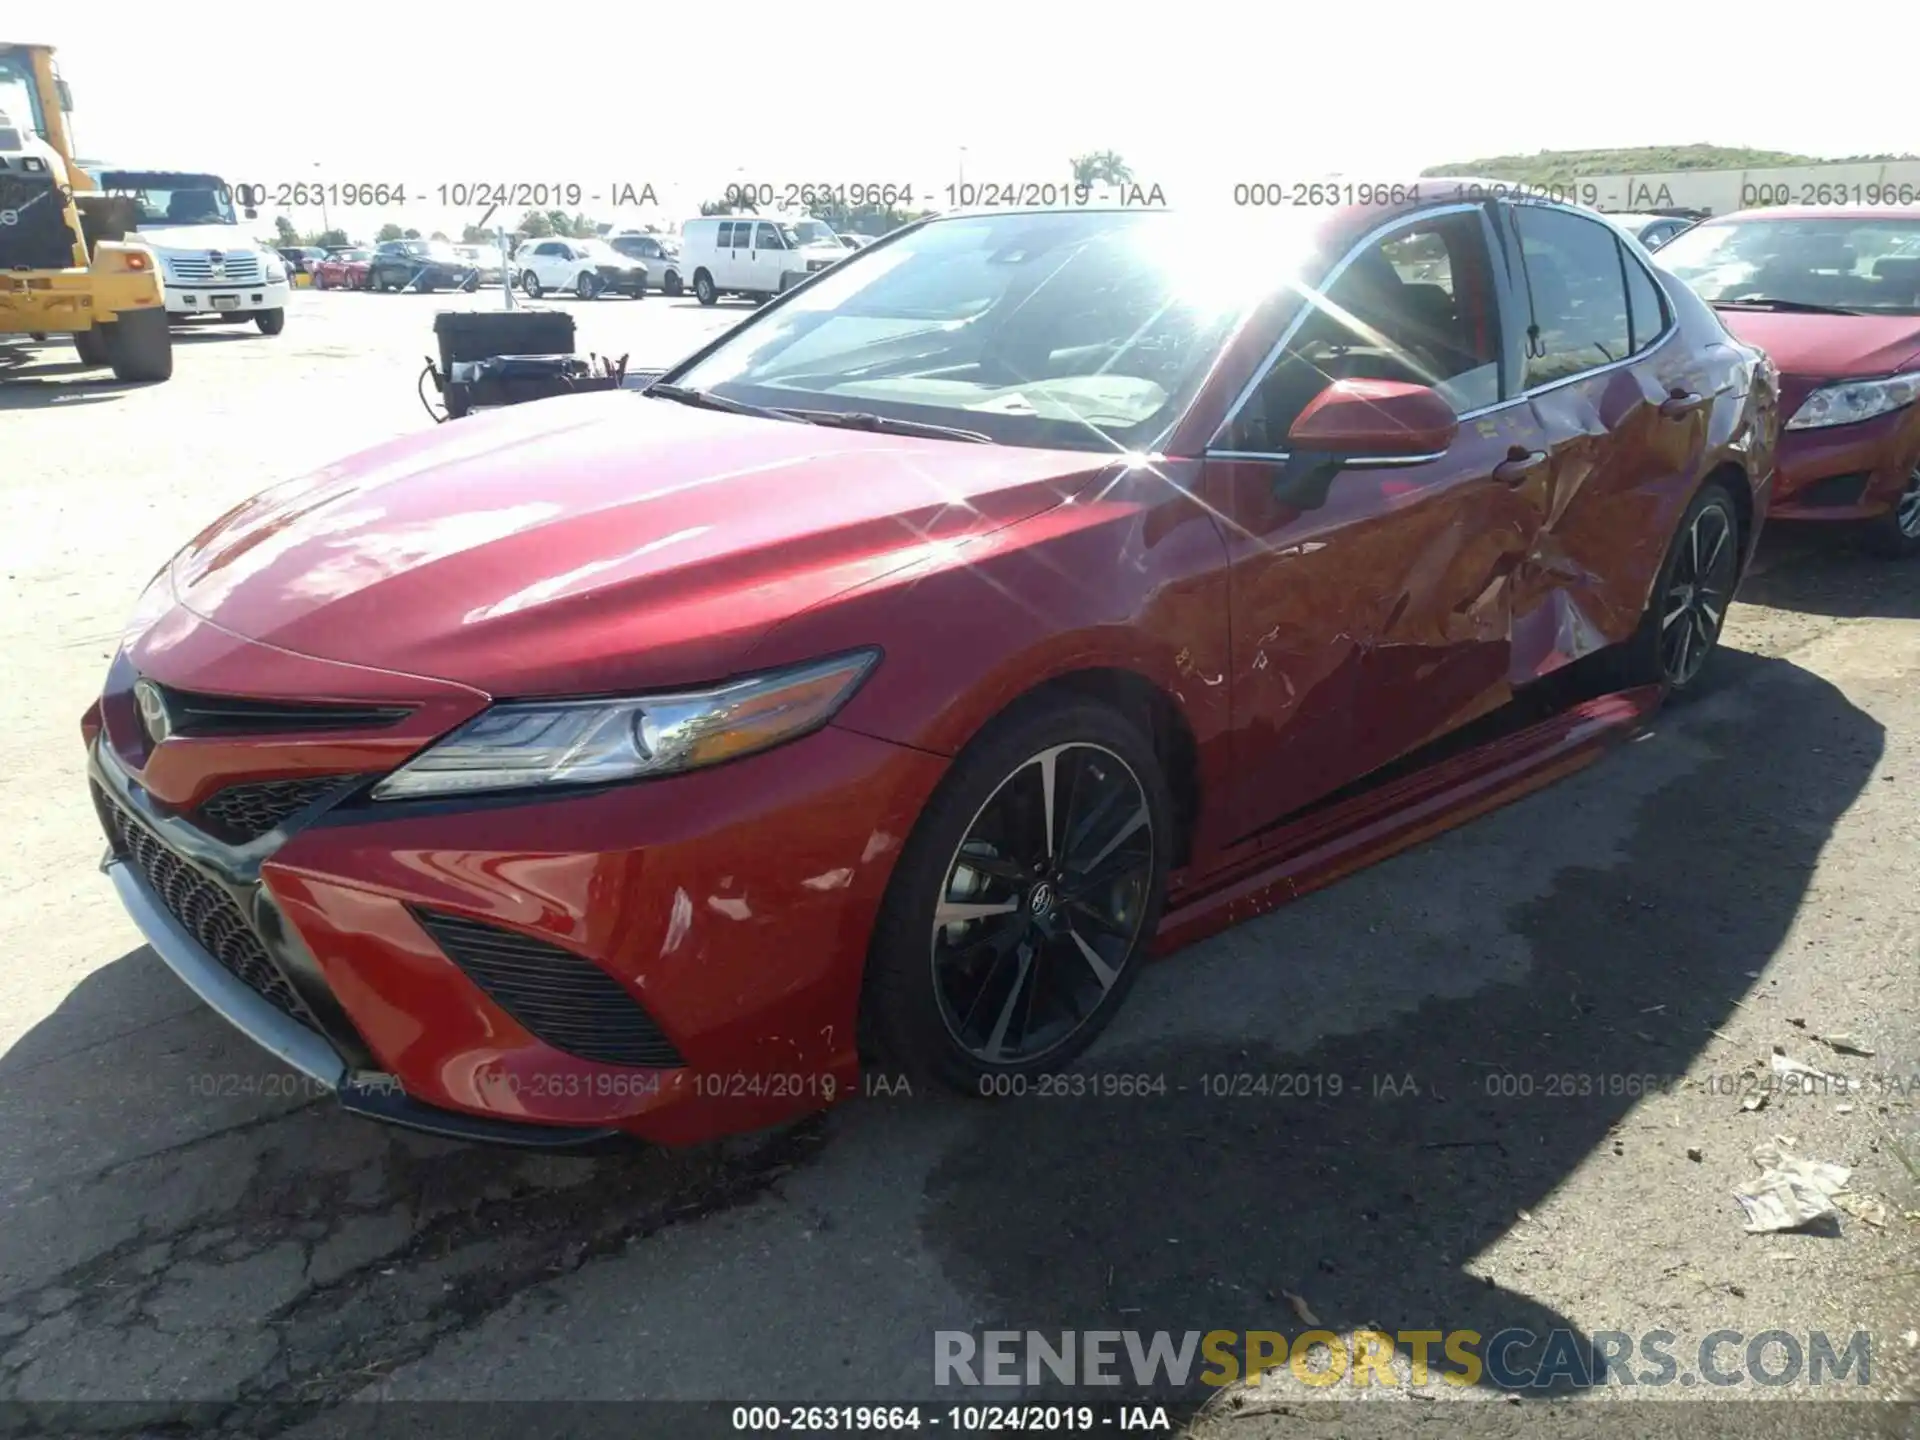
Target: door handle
(1681,403)
(1519,466)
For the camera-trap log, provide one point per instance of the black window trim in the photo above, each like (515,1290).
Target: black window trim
(1496,259)
(1511,236)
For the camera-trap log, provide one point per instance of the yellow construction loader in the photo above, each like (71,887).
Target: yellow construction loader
(67,265)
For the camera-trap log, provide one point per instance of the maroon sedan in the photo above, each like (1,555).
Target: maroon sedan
(344,270)
(1833,295)
(1012,600)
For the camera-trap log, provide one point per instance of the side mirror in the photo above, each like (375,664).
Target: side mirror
(1361,423)
(61,89)
(252,214)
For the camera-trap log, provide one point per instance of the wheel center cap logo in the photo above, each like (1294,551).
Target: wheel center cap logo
(153,711)
(1041,900)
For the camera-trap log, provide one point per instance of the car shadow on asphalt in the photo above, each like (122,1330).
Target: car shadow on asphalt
(1822,570)
(1383,1096)
(1603,928)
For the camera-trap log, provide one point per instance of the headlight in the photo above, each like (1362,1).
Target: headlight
(275,271)
(595,742)
(1853,400)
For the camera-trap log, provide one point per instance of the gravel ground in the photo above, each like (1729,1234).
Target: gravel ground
(178,1221)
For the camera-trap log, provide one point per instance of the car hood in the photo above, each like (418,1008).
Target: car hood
(1819,346)
(229,238)
(594,543)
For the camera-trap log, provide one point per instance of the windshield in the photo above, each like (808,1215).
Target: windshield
(168,198)
(815,232)
(596,250)
(1866,264)
(19,102)
(1087,330)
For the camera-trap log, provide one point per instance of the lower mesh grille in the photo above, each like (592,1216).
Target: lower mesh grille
(246,812)
(205,910)
(566,1001)
(1833,492)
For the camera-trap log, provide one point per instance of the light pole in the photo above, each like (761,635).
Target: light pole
(963,165)
(325,223)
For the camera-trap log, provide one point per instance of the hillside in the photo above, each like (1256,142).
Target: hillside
(1559,167)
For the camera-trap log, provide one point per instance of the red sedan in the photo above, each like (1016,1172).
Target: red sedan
(1833,295)
(344,270)
(1010,601)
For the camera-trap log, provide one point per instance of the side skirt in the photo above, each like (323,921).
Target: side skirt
(1329,844)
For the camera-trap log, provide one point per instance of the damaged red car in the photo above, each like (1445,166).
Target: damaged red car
(897,674)
(1832,294)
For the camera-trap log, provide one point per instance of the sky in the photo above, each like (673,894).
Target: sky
(1196,96)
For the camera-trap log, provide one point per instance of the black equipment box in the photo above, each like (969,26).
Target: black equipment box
(483,334)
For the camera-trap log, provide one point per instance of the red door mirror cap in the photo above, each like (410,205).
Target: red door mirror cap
(1389,418)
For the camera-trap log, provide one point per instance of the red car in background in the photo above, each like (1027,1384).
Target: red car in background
(1833,295)
(1003,604)
(344,270)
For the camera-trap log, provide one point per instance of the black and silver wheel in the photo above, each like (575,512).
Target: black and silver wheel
(1690,598)
(703,288)
(530,283)
(1020,912)
(1896,534)
(587,285)
(672,285)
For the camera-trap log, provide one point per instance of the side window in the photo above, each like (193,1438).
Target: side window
(1417,305)
(725,242)
(1646,306)
(766,237)
(1573,299)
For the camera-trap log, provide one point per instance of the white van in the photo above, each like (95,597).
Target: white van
(751,255)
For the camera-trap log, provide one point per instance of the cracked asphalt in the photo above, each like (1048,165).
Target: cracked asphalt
(180,1221)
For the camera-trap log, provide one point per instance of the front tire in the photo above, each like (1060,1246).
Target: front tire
(1690,598)
(1025,901)
(672,286)
(1896,534)
(703,289)
(271,322)
(139,346)
(587,285)
(530,283)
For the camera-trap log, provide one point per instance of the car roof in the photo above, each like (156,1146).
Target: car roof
(1907,214)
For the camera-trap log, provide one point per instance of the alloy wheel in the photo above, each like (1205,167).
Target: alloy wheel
(1906,513)
(1042,904)
(1698,591)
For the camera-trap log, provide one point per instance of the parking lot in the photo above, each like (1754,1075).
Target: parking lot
(181,1221)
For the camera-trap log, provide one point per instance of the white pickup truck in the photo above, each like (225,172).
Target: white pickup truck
(210,262)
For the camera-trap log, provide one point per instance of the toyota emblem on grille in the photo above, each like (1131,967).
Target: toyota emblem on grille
(153,711)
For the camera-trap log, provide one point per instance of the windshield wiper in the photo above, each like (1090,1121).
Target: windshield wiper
(887,425)
(1773,302)
(708,400)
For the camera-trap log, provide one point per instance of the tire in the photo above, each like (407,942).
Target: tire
(672,286)
(639,291)
(1653,655)
(92,346)
(139,346)
(530,283)
(319,281)
(587,285)
(271,322)
(1896,534)
(986,812)
(703,290)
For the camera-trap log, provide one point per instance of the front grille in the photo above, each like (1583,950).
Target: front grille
(1832,493)
(36,235)
(199,715)
(198,269)
(204,909)
(558,997)
(245,812)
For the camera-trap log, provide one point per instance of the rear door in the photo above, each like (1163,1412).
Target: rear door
(1378,620)
(1622,405)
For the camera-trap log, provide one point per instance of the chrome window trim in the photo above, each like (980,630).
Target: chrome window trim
(1374,235)
(1351,462)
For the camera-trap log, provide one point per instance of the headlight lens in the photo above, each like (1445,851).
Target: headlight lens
(596,742)
(275,270)
(1853,400)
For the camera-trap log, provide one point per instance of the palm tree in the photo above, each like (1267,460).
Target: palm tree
(1101,166)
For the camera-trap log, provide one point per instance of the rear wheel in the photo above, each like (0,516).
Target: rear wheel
(139,346)
(703,289)
(1690,598)
(1024,903)
(92,346)
(1896,534)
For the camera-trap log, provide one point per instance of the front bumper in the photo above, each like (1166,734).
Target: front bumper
(227,299)
(1847,472)
(730,909)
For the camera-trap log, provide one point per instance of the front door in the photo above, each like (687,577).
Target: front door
(769,257)
(1378,619)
